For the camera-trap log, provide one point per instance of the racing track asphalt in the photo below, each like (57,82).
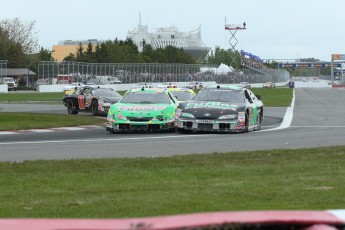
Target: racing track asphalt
(317,119)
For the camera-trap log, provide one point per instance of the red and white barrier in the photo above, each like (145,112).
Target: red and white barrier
(313,220)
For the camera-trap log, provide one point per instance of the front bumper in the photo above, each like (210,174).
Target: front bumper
(104,109)
(115,127)
(219,126)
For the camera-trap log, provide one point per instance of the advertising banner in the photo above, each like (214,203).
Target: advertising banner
(338,56)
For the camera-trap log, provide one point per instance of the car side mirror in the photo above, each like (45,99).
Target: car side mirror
(258,97)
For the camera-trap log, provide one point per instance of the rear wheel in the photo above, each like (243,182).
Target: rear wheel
(94,108)
(70,108)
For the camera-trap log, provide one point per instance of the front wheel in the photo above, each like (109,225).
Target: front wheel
(184,131)
(70,108)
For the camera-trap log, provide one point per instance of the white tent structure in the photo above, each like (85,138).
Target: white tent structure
(221,69)
(224,69)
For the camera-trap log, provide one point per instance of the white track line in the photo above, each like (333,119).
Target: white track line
(105,140)
(287,117)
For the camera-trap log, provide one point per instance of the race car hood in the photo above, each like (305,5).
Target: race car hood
(142,110)
(211,110)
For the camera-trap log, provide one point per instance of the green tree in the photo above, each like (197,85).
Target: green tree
(22,34)
(97,53)
(11,51)
(219,56)
(70,57)
(147,53)
(45,55)
(80,56)
(89,55)
(34,59)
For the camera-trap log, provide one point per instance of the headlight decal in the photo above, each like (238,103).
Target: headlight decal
(228,117)
(189,115)
(119,117)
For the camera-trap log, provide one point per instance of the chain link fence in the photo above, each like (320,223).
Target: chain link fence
(129,73)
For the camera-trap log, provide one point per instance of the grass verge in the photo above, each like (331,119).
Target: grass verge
(19,121)
(277,97)
(305,179)
(31,97)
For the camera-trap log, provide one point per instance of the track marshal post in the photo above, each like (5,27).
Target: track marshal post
(233,28)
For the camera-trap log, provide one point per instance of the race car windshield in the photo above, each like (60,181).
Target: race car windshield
(183,96)
(220,95)
(106,93)
(146,98)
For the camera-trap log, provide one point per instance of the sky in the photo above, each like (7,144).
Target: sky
(275,29)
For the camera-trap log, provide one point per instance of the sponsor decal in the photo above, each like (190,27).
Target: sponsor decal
(141,107)
(211,105)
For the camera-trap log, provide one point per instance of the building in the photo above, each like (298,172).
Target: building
(67,47)
(190,42)
(18,74)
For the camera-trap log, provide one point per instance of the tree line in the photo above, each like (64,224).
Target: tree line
(119,51)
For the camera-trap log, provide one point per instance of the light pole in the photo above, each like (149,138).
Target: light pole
(27,77)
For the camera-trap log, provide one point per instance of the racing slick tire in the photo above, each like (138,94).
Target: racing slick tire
(258,122)
(94,108)
(246,123)
(172,130)
(111,131)
(183,131)
(70,108)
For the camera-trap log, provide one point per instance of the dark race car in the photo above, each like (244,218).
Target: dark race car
(291,84)
(91,99)
(220,109)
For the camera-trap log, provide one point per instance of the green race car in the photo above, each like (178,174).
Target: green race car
(144,109)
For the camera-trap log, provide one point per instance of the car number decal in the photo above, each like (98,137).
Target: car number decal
(81,101)
(205,121)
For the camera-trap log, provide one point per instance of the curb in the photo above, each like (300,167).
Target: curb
(51,130)
(315,220)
